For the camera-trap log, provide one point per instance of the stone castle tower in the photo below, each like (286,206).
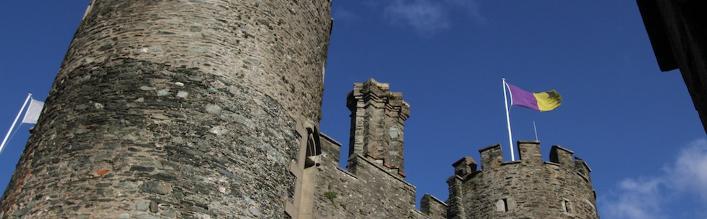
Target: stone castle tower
(527,188)
(210,109)
(186,109)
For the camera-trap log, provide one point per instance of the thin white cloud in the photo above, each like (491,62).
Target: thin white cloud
(425,16)
(429,16)
(636,199)
(690,171)
(646,198)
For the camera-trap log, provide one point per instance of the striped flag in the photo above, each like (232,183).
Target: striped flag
(540,101)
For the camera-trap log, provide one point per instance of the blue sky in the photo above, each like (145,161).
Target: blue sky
(635,125)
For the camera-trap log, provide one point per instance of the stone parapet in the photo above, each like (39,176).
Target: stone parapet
(529,187)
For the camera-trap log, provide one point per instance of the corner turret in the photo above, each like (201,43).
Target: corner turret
(526,188)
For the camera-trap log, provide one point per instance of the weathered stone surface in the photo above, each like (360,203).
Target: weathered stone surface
(373,186)
(433,207)
(191,105)
(372,192)
(377,123)
(528,188)
(208,109)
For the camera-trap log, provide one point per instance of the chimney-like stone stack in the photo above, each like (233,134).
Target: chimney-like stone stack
(377,124)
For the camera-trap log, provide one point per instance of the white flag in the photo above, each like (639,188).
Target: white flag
(33,111)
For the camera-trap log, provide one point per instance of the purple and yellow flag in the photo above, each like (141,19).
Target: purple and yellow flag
(540,101)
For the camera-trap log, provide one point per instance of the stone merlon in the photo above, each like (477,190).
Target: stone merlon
(464,166)
(529,153)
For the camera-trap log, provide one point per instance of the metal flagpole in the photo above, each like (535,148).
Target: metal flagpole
(508,120)
(535,130)
(4,141)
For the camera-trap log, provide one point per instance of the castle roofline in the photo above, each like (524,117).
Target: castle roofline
(332,140)
(529,141)
(436,199)
(467,159)
(563,148)
(583,163)
(375,91)
(382,168)
(529,154)
(489,147)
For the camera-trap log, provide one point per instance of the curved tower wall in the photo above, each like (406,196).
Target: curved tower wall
(182,108)
(527,188)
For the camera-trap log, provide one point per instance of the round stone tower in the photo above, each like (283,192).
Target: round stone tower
(527,188)
(183,108)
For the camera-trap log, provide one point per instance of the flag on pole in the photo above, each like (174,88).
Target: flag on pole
(540,101)
(33,111)
(14,122)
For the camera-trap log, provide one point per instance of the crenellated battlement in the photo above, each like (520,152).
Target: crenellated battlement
(529,155)
(530,186)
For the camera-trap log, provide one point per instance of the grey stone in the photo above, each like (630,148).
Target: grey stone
(182,94)
(154,207)
(213,109)
(142,205)
(145,215)
(163,92)
(157,187)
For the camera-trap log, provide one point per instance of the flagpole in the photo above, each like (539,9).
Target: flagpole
(535,130)
(4,141)
(508,120)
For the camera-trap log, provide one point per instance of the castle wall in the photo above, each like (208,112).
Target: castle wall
(433,208)
(528,188)
(372,192)
(176,109)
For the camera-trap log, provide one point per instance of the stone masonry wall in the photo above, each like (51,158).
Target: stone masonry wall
(176,109)
(370,193)
(528,188)
(433,208)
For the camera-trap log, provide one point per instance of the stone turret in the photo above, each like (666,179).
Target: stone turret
(377,124)
(178,109)
(527,188)
(372,186)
